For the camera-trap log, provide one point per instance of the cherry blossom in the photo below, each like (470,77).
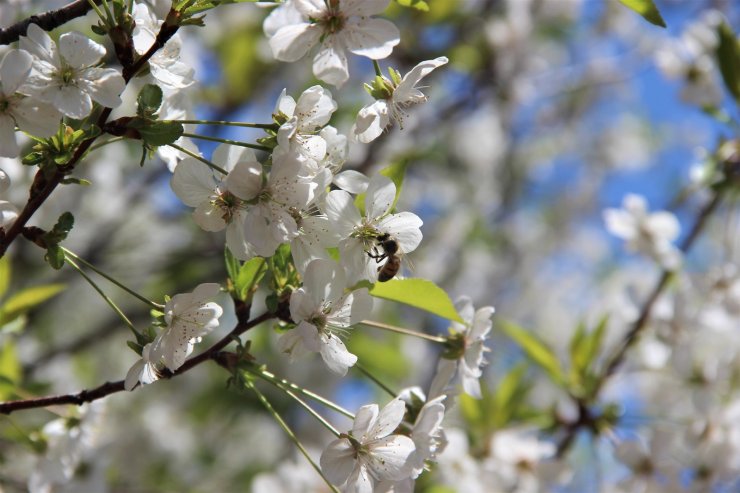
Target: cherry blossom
(464,356)
(651,234)
(303,119)
(323,312)
(338,26)
(68,77)
(359,233)
(396,96)
(16,109)
(370,452)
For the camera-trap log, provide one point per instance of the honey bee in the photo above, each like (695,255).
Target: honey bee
(392,264)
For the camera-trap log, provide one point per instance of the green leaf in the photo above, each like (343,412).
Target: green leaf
(396,172)
(148,101)
(10,370)
(505,398)
(535,349)
(64,225)
(647,9)
(5,270)
(728,54)
(419,293)
(159,133)
(420,5)
(27,299)
(54,256)
(232,264)
(250,274)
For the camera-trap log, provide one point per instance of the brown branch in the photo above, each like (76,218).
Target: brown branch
(47,21)
(212,353)
(639,325)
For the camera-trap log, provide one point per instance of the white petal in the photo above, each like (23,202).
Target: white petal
(291,43)
(341,211)
(72,101)
(14,68)
(388,419)
(363,8)
(388,458)
(370,37)
(330,63)
(8,213)
(337,461)
(360,481)
(324,281)
(285,14)
(226,156)
(133,374)
(446,369)
(79,50)
(37,118)
(364,421)
(311,8)
(406,89)
(371,121)
(404,228)
(313,146)
(193,182)
(620,223)
(285,105)
(663,225)
(209,217)
(245,180)
(236,240)
(352,181)
(380,196)
(39,43)
(105,86)
(314,108)
(8,144)
(335,355)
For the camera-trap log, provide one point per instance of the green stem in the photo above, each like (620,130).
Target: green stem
(289,432)
(377,381)
(100,291)
(111,18)
(285,385)
(103,144)
(401,330)
(227,141)
(98,11)
(130,291)
(266,126)
(203,160)
(378,72)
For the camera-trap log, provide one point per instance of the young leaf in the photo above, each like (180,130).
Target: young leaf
(647,9)
(419,293)
(54,256)
(420,5)
(158,133)
(535,349)
(250,274)
(728,54)
(148,101)
(4,275)
(10,370)
(27,299)
(232,264)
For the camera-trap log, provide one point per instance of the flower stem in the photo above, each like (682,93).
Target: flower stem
(203,160)
(375,379)
(100,291)
(266,126)
(227,141)
(401,330)
(378,72)
(103,144)
(285,385)
(289,432)
(130,291)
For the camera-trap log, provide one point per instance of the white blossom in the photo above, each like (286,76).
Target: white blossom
(359,233)
(189,316)
(323,312)
(650,234)
(16,109)
(400,95)
(67,77)
(369,453)
(216,207)
(466,350)
(304,119)
(338,25)
(145,370)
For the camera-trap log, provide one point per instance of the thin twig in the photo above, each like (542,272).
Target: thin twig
(48,21)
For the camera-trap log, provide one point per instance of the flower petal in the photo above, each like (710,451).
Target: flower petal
(291,43)
(370,37)
(14,68)
(335,355)
(380,196)
(330,63)
(80,51)
(337,461)
(193,182)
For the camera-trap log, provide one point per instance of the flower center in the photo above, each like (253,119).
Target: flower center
(229,204)
(67,75)
(333,21)
(319,321)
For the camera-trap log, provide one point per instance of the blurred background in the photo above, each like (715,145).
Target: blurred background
(549,112)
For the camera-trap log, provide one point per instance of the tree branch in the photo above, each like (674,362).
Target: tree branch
(108,388)
(47,21)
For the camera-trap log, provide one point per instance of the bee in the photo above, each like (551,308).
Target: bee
(392,264)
